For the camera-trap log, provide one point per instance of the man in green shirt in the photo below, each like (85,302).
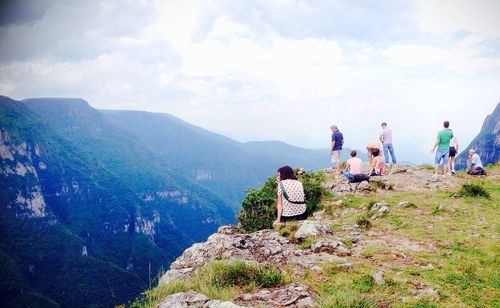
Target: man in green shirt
(443,148)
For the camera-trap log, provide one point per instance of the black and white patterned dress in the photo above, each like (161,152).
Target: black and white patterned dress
(295,192)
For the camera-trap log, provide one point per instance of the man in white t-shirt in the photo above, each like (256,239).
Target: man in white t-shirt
(386,139)
(352,167)
(474,164)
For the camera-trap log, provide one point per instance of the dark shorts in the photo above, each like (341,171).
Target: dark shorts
(290,218)
(453,151)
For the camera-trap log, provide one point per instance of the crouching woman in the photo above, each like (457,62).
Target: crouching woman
(291,199)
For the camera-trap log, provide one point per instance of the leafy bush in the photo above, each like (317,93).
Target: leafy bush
(473,190)
(258,207)
(257,211)
(311,181)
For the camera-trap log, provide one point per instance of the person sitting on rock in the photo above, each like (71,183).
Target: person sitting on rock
(377,163)
(291,198)
(352,167)
(474,164)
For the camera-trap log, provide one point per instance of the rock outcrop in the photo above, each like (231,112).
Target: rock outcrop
(265,246)
(486,143)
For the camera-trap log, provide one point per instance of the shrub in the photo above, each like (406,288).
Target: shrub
(258,207)
(311,181)
(473,190)
(257,211)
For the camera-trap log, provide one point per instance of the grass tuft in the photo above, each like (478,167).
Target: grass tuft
(473,190)
(217,280)
(364,221)
(307,243)
(346,299)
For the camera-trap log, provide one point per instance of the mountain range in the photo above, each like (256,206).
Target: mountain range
(95,203)
(486,143)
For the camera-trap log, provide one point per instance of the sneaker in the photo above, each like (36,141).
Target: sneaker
(452,171)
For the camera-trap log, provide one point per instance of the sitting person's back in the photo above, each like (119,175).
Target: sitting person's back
(291,198)
(353,167)
(378,164)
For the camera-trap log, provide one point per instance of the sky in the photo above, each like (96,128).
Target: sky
(267,70)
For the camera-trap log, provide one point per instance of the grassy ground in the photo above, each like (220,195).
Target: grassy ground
(440,251)
(457,263)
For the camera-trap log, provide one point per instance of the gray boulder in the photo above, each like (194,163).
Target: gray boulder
(331,247)
(310,228)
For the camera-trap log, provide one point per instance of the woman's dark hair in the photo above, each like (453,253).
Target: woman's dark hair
(375,152)
(286,173)
(353,153)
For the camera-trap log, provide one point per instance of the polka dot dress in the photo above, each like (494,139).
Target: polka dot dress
(295,192)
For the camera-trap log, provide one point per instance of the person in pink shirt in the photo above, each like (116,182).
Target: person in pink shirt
(353,166)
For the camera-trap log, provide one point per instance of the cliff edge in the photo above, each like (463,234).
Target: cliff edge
(404,239)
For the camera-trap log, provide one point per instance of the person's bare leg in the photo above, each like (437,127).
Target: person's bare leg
(445,169)
(436,169)
(338,167)
(279,208)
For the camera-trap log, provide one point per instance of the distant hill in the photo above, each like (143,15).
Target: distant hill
(486,143)
(94,201)
(67,225)
(221,164)
(88,212)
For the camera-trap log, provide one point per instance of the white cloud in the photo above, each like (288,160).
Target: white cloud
(452,16)
(267,70)
(415,55)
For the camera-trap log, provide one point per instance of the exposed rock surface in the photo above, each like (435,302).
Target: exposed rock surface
(265,246)
(331,247)
(295,295)
(398,178)
(310,228)
(486,143)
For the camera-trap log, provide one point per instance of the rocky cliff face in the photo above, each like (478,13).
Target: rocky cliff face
(486,143)
(364,239)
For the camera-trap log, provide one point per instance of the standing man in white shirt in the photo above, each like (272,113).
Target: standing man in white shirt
(386,139)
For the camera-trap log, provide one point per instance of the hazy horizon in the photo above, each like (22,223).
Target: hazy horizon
(266,70)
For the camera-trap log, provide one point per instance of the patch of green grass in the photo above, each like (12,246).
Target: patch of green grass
(396,221)
(370,203)
(353,201)
(363,221)
(346,299)
(347,242)
(284,232)
(335,227)
(374,249)
(474,190)
(363,284)
(306,243)
(154,296)
(218,280)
